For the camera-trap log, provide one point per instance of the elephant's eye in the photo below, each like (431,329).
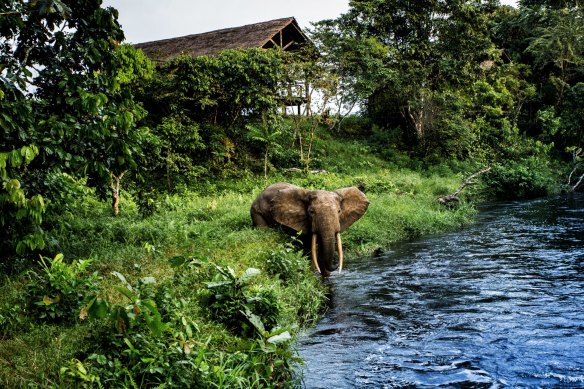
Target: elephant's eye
(311,211)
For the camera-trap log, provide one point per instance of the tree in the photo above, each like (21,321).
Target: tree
(571,128)
(64,80)
(348,68)
(421,51)
(202,109)
(561,45)
(268,133)
(232,87)
(550,3)
(577,157)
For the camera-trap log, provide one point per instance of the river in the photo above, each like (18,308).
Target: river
(498,304)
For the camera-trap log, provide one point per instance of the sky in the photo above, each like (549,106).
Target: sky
(148,20)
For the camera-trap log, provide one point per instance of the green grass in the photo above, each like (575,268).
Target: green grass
(216,230)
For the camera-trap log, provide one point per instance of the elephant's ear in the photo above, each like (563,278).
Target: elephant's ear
(288,208)
(353,205)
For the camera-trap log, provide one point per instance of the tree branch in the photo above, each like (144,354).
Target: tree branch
(579,182)
(451,199)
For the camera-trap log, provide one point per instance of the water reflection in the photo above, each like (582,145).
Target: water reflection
(499,304)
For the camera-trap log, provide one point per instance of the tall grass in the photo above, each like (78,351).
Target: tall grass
(209,227)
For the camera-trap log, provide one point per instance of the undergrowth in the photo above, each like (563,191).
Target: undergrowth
(191,295)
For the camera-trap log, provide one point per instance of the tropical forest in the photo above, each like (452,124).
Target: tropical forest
(128,257)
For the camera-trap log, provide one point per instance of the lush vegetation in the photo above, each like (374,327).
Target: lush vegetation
(193,295)
(127,255)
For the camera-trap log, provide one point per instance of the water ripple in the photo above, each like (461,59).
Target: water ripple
(496,305)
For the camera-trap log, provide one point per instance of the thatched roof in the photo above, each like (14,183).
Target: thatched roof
(284,33)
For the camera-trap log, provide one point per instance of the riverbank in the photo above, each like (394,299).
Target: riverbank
(193,295)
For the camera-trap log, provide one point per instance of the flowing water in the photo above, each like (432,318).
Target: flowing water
(499,304)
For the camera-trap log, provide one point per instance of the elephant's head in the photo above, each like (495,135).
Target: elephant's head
(323,215)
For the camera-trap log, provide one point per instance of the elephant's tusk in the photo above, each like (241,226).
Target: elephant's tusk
(313,250)
(340,248)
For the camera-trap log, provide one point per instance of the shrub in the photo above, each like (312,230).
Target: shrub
(56,293)
(231,301)
(355,126)
(11,318)
(137,342)
(527,178)
(286,263)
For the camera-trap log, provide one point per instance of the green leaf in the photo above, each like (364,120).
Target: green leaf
(212,285)
(50,301)
(126,292)
(231,272)
(178,261)
(280,338)
(255,320)
(98,308)
(129,344)
(248,275)
(122,278)
(15,158)
(153,318)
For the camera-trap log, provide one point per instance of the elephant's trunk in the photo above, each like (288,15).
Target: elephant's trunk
(326,253)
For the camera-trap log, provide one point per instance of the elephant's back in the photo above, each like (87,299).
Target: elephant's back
(262,204)
(280,186)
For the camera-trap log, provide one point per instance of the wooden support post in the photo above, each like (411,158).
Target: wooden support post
(288,45)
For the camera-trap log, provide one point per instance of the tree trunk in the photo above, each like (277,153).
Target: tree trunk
(266,163)
(115,186)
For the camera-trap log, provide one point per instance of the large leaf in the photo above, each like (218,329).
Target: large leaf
(255,320)
(153,318)
(127,292)
(122,278)
(248,275)
(280,338)
(217,284)
(98,308)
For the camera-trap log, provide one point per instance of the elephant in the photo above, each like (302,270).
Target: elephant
(318,215)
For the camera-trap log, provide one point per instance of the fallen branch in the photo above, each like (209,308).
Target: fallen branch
(451,199)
